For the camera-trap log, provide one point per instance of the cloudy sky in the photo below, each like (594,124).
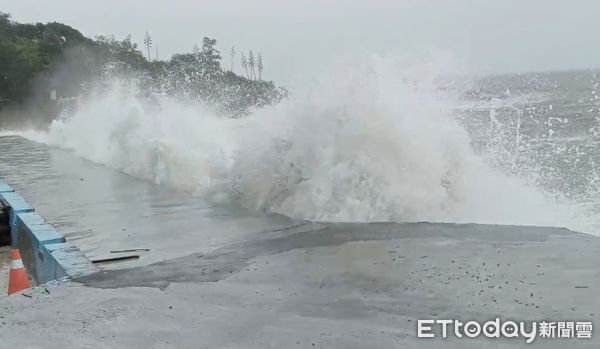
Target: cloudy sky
(297,37)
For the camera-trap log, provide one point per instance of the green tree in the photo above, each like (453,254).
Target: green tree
(210,57)
(20,61)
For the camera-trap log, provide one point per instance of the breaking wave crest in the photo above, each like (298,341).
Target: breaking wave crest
(373,140)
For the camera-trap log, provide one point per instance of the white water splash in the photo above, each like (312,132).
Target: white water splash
(372,141)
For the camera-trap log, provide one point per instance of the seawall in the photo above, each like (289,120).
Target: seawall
(45,252)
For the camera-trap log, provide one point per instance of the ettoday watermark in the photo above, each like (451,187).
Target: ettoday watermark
(528,330)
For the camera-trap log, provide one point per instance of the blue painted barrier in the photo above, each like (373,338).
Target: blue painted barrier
(45,252)
(17,205)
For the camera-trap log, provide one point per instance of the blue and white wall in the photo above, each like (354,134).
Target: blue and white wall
(45,252)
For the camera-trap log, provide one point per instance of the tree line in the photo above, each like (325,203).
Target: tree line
(253,68)
(38,60)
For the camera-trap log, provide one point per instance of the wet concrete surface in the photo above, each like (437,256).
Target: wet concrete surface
(222,262)
(103,210)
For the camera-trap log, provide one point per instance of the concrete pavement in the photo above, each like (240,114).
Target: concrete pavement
(325,286)
(4,269)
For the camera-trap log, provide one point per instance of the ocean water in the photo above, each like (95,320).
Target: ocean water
(376,139)
(543,128)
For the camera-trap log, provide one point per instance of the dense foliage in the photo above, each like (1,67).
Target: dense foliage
(28,49)
(36,59)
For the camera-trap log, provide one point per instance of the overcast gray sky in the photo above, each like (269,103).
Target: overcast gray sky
(296,37)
